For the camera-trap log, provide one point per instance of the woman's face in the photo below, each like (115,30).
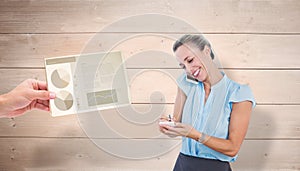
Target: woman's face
(190,59)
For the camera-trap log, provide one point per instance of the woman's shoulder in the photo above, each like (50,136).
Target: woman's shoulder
(235,86)
(239,92)
(185,85)
(182,83)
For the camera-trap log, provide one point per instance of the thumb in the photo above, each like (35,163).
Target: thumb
(42,95)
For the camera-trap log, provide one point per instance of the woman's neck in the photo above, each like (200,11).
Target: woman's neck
(213,78)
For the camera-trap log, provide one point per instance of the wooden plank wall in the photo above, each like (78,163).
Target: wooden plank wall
(256,41)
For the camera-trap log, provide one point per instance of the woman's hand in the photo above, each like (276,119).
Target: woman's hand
(180,129)
(162,128)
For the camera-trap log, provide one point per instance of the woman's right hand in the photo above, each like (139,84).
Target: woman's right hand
(163,129)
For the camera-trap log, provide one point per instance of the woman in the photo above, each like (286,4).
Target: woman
(211,115)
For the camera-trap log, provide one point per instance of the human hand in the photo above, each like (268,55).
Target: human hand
(30,94)
(165,118)
(180,129)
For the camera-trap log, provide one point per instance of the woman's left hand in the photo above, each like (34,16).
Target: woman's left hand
(180,129)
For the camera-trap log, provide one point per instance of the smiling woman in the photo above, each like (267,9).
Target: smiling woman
(212,115)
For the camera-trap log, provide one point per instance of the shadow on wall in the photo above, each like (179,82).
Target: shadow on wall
(63,153)
(254,153)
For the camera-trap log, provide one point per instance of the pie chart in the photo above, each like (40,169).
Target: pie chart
(60,78)
(63,100)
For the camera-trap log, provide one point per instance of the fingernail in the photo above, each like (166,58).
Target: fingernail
(52,95)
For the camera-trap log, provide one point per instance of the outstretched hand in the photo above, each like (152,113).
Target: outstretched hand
(30,94)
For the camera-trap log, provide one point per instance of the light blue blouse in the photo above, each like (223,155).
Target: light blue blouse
(213,117)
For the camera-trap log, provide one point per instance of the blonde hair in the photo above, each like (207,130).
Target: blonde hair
(198,40)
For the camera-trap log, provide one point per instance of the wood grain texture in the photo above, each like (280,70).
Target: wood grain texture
(267,122)
(207,16)
(264,83)
(257,43)
(82,154)
(151,51)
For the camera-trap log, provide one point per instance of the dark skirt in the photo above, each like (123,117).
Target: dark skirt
(190,163)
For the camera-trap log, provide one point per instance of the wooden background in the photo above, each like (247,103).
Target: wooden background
(256,41)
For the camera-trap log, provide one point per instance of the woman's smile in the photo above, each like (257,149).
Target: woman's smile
(196,73)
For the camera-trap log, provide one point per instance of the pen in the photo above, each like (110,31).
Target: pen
(170,119)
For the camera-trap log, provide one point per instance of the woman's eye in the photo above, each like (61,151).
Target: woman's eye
(190,60)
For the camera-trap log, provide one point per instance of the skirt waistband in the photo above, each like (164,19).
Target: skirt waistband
(186,162)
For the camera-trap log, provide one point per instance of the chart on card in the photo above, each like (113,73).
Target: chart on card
(87,82)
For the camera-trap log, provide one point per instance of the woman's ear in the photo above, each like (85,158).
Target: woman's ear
(206,50)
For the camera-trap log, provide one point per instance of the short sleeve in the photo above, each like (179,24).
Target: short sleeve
(242,93)
(183,84)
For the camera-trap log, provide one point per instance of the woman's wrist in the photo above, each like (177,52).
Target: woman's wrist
(3,104)
(203,138)
(194,134)
(198,136)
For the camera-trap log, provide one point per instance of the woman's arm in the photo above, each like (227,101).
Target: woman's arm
(240,116)
(239,121)
(179,104)
(178,108)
